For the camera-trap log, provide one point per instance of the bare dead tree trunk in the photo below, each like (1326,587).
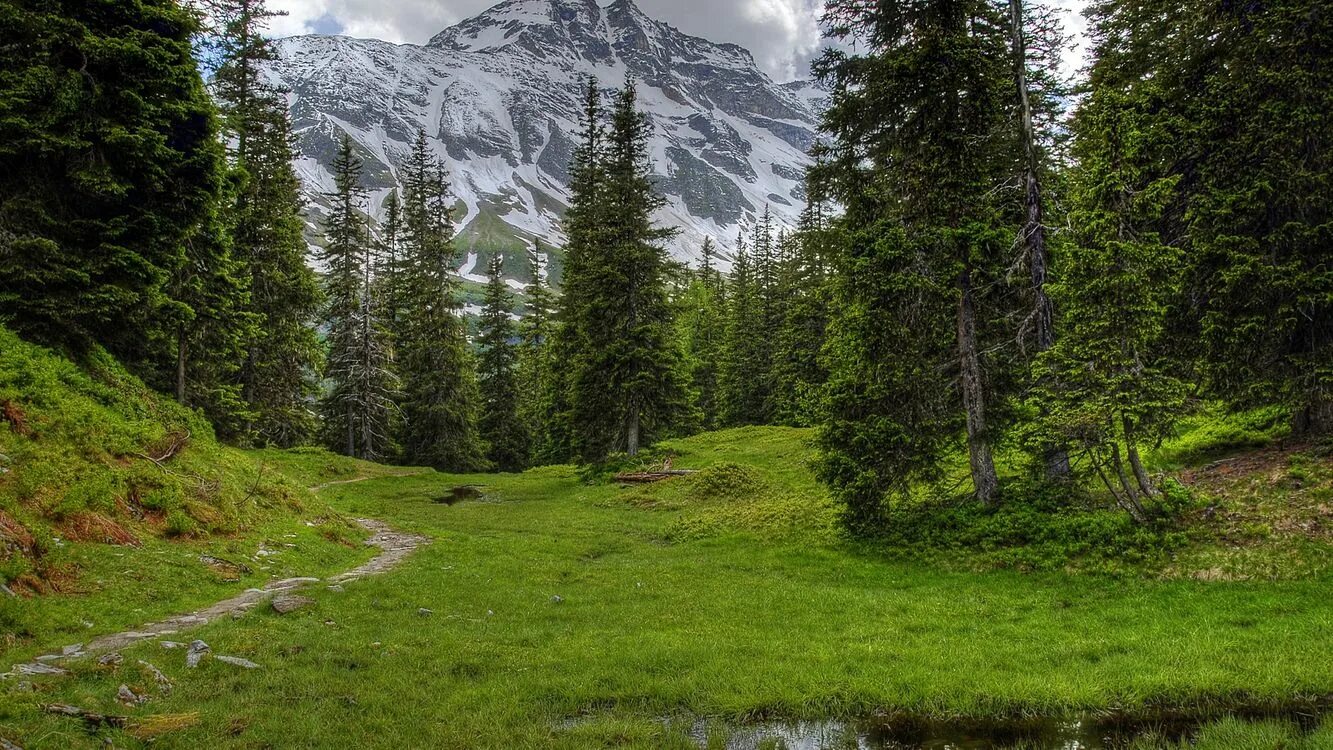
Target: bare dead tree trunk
(984,479)
(1034,230)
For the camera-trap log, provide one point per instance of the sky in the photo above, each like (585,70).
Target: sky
(783,35)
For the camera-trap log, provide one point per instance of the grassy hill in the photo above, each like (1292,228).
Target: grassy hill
(114,500)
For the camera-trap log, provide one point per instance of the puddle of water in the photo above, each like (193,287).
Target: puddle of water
(872,733)
(459,494)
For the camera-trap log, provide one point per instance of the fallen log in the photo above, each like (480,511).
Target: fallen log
(92,719)
(644,477)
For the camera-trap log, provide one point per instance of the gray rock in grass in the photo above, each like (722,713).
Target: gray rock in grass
(290,603)
(198,650)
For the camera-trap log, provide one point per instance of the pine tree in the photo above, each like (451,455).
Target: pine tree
(1110,377)
(798,370)
(624,375)
(919,151)
(440,398)
(110,173)
(537,334)
(266,227)
(211,328)
(502,427)
(387,288)
(701,324)
(744,362)
(357,408)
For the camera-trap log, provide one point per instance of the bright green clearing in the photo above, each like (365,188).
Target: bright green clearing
(569,615)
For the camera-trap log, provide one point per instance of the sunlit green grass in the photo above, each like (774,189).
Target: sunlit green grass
(568,615)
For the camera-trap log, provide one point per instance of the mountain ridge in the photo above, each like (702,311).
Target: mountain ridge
(499,95)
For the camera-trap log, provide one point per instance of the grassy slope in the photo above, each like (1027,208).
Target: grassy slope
(75,477)
(702,597)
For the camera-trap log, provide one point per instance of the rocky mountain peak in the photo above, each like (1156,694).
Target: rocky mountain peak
(499,98)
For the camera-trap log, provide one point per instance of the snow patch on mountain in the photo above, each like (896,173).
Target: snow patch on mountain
(499,96)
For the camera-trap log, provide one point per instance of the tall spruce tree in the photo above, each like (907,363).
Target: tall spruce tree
(277,375)
(536,366)
(345,238)
(798,370)
(357,408)
(440,401)
(502,427)
(1111,383)
(920,147)
(624,374)
(110,172)
(743,366)
(701,325)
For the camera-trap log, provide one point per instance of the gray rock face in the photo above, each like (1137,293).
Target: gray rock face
(500,94)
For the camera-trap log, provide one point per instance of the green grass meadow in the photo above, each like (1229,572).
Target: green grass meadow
(566,614)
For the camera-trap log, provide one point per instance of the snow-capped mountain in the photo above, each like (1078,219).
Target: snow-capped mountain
(499,95)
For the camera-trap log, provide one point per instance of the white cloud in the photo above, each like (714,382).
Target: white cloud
(783,35)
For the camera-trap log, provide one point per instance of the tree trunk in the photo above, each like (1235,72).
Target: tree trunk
(181,359)
(1314,418)
(1034,231)
(1135,464)
(984,479)
(351,431)
(1130,499)
(632,432)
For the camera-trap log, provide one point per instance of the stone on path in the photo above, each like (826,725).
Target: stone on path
(198,650)
(37,669)
(290,603)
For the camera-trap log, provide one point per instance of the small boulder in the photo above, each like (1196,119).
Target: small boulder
(112,659)
(128,697)
(290,603)
(237,661)
(198,650)
(336,588)
(425,612)
(557,599)
(163,682)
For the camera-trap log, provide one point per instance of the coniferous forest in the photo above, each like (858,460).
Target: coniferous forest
(1024,317)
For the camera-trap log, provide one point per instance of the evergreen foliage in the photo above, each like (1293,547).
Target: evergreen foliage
(277,375)
(110,171)
(440,401)
(920,147)
(502,427)
(357,408)
(624,382)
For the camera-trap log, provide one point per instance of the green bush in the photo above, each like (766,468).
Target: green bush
(726,481)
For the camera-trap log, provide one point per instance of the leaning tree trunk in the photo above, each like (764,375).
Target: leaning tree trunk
(984,479)
(1034,230)
(1135,463)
